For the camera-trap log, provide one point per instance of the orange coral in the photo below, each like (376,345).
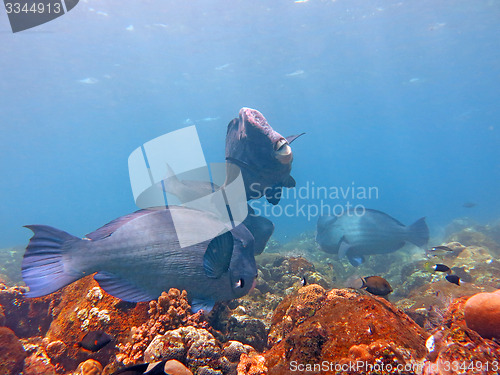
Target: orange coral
(253,364)
(171,311)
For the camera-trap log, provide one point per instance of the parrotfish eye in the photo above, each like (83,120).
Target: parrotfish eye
(240,283)
(281,143)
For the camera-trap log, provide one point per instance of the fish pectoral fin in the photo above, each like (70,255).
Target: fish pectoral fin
(218,255)
(202,304)
(289,182)
(292,138)
(343,248)
(273,195)
(121,288)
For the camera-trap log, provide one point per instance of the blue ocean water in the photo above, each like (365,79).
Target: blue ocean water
(398,95)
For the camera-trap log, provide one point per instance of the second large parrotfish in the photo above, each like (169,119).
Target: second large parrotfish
(263,155)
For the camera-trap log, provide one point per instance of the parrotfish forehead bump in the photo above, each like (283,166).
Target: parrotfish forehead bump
(258,123)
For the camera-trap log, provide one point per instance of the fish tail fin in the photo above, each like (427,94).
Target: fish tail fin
(43,267)
(419,232)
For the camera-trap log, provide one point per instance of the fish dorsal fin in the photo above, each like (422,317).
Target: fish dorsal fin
(218,255)
(386,215)
(202,304)
(292,138)
(108,229)
(121,288)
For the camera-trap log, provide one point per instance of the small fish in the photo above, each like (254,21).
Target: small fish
(330,266)
(95,341)
(89,81)
(442,268)
(303,281)
(371,328)
(438,251)
(373,284)
(454,279)
(209,119)
(222,67)
(130,28)
(296,73)
(377,285)
(428,266)
(469,204)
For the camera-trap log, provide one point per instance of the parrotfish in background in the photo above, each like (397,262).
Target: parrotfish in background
(138,256)
(374,232)
(263,155)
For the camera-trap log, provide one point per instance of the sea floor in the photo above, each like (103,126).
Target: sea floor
(300,317)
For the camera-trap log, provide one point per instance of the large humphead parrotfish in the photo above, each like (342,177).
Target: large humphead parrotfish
(138,256)
(263,155)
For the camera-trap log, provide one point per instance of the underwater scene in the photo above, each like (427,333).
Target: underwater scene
(250,187)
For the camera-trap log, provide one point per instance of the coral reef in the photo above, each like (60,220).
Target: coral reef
(458,349)
(83,307)
(312,326)
(171,311)
(12,353)
(27,317)
(254,364)
(280,321)
(198,349)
